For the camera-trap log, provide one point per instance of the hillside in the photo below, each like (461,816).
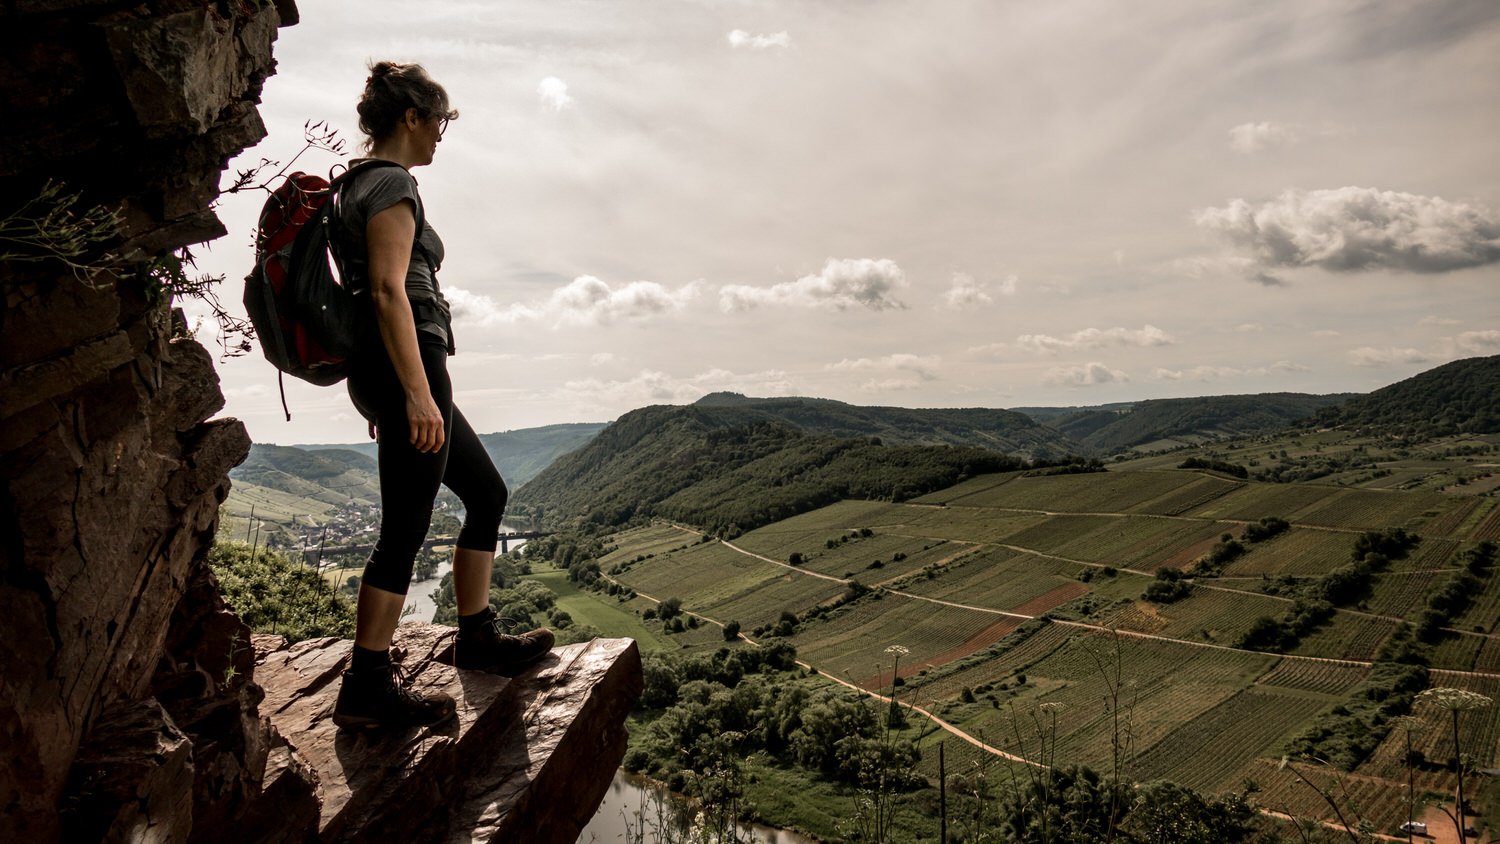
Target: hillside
(522,454)
(1458,397)
(998,430)
(331,476)
(1166,423)
(1006,594)
(729,469)
(518,454)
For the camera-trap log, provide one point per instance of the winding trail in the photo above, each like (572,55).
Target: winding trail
(1082,625)
(958,732)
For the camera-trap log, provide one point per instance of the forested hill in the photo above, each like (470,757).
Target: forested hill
(1169,422)
(999,430)
(332,475)
(1458,397)
(729,469)
(522,455)
(518,454)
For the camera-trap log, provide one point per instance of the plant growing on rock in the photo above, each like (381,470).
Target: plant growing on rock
(1455,701)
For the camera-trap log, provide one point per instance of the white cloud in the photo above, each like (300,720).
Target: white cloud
(1437,320)
(841,285)
(655,387)
(740,38)
(1083,375)
(1327,332)
(1214,373)
(1479,342)
(553,93)
(1250,138)
(966,292)
(583,301)
(1219,266)
(890,385)
(1094,338)
(250,392)
(1351,229)
(1249,328)
(601,358)
(1370,356)
(923,366)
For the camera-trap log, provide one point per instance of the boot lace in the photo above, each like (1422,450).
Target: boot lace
(400,681)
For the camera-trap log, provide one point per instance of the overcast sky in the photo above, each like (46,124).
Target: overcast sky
(924,204)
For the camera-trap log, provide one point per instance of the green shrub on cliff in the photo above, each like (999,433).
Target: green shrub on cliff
(274,593)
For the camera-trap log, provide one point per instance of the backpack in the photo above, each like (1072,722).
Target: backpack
(306,318)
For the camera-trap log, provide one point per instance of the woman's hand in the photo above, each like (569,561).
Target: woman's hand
(425,421)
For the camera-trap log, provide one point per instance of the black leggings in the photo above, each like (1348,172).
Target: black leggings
(409,478)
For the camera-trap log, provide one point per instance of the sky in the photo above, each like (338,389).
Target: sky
(962,203)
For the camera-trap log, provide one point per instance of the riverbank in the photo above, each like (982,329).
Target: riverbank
(632,805)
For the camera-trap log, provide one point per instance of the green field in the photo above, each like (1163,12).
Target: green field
(1199,711)
(607,616)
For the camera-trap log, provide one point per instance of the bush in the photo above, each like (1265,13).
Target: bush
(1266,528)
(1233,469)
(731,631)
(1167,587)
(273,593)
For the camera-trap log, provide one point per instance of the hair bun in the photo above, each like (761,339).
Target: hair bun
(380,69)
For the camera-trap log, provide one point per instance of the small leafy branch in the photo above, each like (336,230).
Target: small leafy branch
(166,277)
(1456,701)
(51,227)
(236,333)
(315,135)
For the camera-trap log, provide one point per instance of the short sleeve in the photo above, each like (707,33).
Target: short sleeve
(378,190)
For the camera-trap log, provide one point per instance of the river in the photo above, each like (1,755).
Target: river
(419,603)
(628,802)
(627,799)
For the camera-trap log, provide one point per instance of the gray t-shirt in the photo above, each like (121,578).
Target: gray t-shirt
(363,196)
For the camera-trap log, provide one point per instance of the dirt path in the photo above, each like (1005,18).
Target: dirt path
(1098,628)
(1437,822)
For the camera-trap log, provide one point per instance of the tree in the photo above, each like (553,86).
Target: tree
(1167,813)
(1456,701)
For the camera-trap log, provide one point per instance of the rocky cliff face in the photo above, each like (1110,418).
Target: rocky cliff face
(120,716)
(128,707)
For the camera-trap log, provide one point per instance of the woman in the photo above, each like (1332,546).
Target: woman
(399,383)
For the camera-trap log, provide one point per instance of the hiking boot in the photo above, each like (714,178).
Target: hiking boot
(487,647)
(378,698)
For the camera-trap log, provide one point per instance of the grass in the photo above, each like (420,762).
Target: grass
(1207,716)
(1209,751)
(605,614)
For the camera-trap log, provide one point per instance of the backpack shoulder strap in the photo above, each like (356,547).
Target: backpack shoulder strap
(337,182)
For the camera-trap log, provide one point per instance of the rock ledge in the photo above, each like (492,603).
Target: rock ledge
(528,758)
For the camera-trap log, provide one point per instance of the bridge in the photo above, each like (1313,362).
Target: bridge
(314,556)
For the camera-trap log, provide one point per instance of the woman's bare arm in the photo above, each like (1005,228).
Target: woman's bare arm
(389,235)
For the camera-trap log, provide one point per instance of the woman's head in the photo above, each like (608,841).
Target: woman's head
(395,92)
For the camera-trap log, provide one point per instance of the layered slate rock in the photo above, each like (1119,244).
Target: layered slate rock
(526,759)
(111,474)
(140,779)
(128,703)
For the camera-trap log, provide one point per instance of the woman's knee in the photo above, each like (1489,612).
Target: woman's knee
(483,512)
(487,504)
